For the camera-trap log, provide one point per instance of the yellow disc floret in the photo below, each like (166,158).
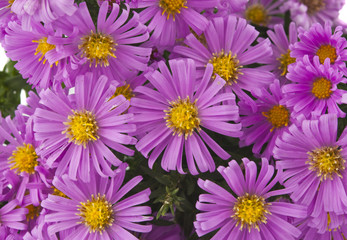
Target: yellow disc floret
(97,48)
(172,7)
(182,117)
(278,116)
(125,90)
(226,66)
(81,127)
(285,60)
(34,212)
(96,214)
(24,159)
(257,14)
(321,88)
(326,162)
(313,6)
(326,51)
(250,211)
(42,48)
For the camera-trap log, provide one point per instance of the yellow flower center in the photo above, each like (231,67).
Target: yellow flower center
(42,48)
(250,211)
(285,61)
(97,47)
(81,127)
(321,88)
(257,14)
(326,161)
(10,3)
(24,159)
(278,116)
(125,90)
(226,66)
(182,117)
(326,51)
(172,7)
(96,214)
(313,6)
(34,212)
(59,193)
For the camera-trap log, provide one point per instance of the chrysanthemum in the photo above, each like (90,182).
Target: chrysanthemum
(109,49)
(263,126)
(247,212)
(20,163)
(228,48)
(97,209)
(314,88)
(31,49)
(76,129)
(314,163)
(12,217)
(281,53)
(46,11)
(320,41)
(263,12)
(174,116)
(171,20)
(307,12)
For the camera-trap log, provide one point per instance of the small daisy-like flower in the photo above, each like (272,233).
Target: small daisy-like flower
(320,41)
(97,210)
(307,12)
(228,48)
(171,20)
(46,11)
(20,163)
(31,49)
(246,212)
(263,12)
(314,88)
(281,52)
(174,116)
(271,118)
(108,49)
(314,163)
(75,130)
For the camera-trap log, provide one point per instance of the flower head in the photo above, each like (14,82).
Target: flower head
(314,88)
(76,129)
(174,116)
(97,208)
(247,210)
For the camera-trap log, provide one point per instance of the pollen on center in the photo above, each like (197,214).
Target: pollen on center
(97,48)
(182,117)
(278,116)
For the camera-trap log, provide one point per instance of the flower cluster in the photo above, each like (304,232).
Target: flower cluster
(133,99)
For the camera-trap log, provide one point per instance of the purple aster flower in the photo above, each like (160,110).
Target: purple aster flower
(46,11)
(95,209)
(20,163)
(314,165)
(314,88)
(131,3)
(173,116)
(228,48)
(76,129)
(271,118)
(263,12)
(31,50)
(170,232)
(281,53)
(225,8)
(107,49)
(171,20)
(247,212)
(320,41)
(307,12)
(12,217)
